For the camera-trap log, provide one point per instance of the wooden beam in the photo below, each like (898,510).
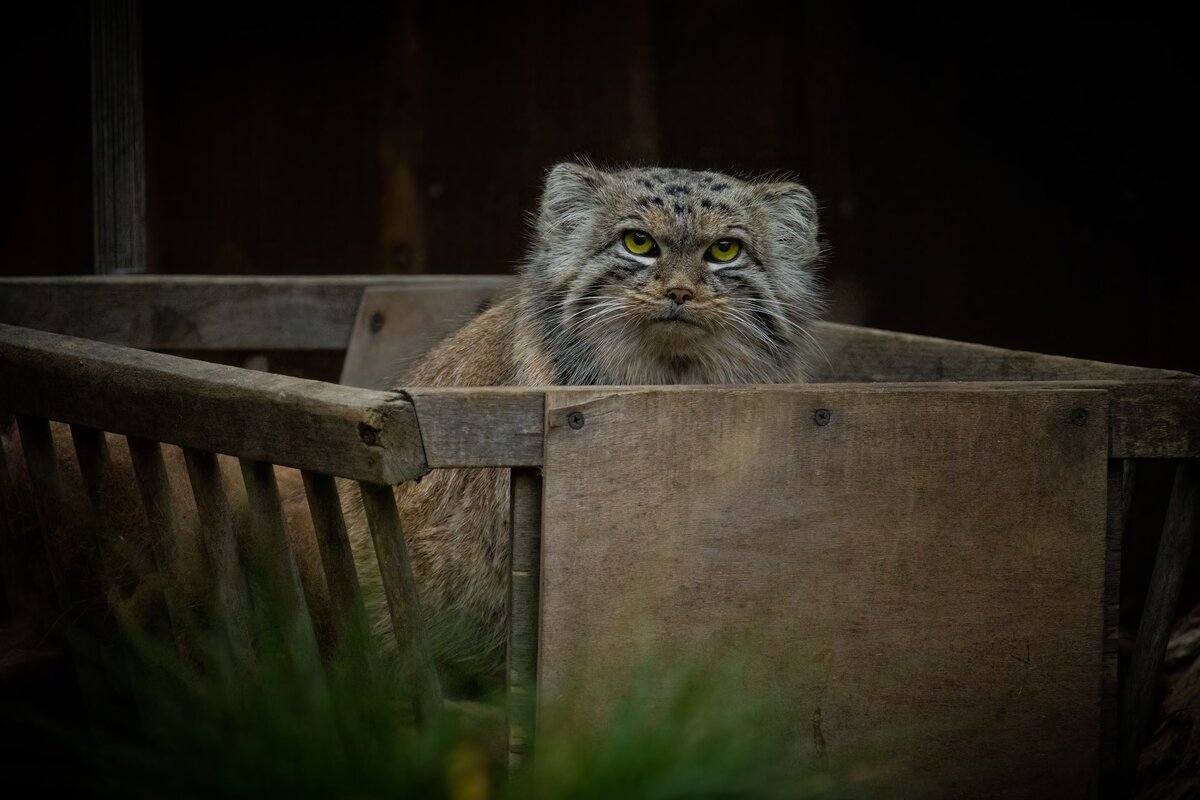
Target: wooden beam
(853,354)
(190,312)
(490,427)
(336,430)
(118,138)
(1121,476)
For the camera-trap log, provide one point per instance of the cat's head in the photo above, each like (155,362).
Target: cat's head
(666,276)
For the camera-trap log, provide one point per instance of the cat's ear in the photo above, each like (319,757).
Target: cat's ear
(792,210)
(570,197)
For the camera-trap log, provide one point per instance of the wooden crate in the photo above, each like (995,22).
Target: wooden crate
(924,541)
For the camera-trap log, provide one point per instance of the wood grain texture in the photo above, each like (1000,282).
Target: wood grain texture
(294,422)
(394,327)
(186,312)
(924,573)
(489,427)
(47,491)
(1181,528)
(400,586)
(525,575)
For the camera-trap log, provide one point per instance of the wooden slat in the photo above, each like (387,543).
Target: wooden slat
(220,546)
(185,312)
(854,354)
(26,573)
(118,137)
(349,616)
(525,552)
(337,430)
(154,486)
(925,568)
(46,487)
(400,586)
(1121,477)
(480,427)
(95,465)
(1160,419)
(271,570)
(1180,530)
(396,326)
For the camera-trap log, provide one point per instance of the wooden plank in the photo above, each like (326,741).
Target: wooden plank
(95,465)
(408,621)
(854,354)
(348,619)
(1160,419)
(497,426)
(922,571)
(118,138)
(396,326)
(1180,530)
(231,598)
(1121,477)
(525,574)
(271,572)
(294,422)
(150,472)
(188,312)
(46,488)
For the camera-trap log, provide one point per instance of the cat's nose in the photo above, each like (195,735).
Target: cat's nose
(679,295)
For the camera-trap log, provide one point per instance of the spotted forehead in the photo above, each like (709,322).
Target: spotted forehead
(667,196)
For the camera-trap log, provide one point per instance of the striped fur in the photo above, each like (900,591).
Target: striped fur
(587,312)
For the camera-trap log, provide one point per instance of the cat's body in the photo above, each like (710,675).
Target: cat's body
(641,276)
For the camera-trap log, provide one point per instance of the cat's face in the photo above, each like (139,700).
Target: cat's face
(666,276)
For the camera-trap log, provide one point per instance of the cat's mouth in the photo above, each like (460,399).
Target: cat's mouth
(677,321)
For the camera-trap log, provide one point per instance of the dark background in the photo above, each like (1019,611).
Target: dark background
(1007,175)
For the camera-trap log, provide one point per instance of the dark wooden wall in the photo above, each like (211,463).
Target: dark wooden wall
(1011,178)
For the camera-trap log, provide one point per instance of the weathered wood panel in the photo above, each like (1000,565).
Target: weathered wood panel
(396,326)
(923,571)
(208,313)
(497,426)
(312,425)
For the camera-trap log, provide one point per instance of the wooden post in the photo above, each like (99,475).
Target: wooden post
(1174,550)
(400,586)
(1121,476)
(525,555)
(118,138)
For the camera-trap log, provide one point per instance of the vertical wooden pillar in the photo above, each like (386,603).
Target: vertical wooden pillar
(118,138)
(525,549)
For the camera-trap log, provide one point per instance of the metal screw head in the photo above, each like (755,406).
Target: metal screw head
(575,419)
(376,322)
(822,416)
(1079,416)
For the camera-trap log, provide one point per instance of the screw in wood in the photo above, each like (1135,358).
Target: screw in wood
(822,416)
(377,322)
(1079,416)
(575,419)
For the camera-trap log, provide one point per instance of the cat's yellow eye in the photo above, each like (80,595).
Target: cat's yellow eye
(724,250)
(639,243)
